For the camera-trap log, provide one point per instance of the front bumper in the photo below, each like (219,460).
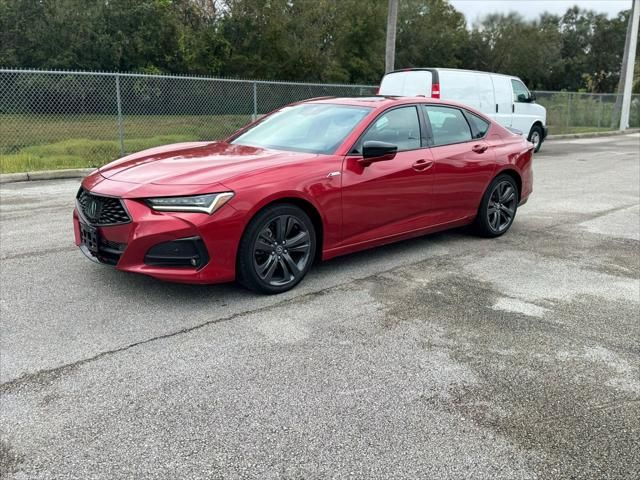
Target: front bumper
(137,246)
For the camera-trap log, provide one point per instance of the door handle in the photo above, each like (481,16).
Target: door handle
(422,165)
(479,148)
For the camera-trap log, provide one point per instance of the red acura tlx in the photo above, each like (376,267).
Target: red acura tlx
(310,181)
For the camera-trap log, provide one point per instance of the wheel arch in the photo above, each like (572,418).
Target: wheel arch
(537,123)
(513,174)
(305,205)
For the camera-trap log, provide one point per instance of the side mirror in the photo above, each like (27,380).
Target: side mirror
(374,151)
(532,98)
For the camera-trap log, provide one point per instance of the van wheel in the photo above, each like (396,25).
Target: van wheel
(535,137)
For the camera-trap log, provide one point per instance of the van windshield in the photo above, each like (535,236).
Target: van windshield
(313,128)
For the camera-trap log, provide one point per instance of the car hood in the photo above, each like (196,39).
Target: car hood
(195,163)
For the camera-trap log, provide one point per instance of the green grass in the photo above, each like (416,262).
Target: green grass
(31,143)
(77,153)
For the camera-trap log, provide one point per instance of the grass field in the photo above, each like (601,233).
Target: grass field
(30,143)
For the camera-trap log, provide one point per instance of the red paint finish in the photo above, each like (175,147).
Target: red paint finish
(359,206)
(373,204)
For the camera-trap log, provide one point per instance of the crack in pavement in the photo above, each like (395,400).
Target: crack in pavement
(38,253)
(592,408)
(55,372)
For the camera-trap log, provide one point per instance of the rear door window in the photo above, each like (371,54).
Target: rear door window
(479,126)
(448,125)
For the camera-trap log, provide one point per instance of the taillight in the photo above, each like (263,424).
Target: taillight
(378,91)
(435,90)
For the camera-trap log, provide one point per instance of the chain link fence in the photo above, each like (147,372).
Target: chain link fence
(573,112)
(58,119)
(51,119)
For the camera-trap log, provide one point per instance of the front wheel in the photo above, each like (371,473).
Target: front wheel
(276,250)
(498,208)
(535,137)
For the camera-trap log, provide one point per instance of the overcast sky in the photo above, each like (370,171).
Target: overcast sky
(531,9)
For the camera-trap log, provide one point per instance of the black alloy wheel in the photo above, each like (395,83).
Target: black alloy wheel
(535,137)
(277,249)
(502,206)
(499,206)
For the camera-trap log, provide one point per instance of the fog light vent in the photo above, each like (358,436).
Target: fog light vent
(184,252)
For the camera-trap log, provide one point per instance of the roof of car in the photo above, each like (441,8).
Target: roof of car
(375,102)
(382,101)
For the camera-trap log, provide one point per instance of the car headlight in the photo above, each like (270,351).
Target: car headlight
(208,203)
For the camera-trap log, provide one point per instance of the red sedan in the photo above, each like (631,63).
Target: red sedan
(312,180)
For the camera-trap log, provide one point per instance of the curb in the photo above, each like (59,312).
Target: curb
(592,134)
(45,175)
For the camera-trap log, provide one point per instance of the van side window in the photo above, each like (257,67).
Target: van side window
(400,126)
(479,126)
(520,92)
(448,125)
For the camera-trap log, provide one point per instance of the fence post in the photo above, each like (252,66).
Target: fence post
(568,111)
(601,111)
(120,126)
(255,102)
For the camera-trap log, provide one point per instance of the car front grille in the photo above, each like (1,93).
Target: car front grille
(102,211)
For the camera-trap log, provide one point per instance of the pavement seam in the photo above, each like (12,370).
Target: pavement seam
(584,217)
(39,253)
(27,378)
(593,408)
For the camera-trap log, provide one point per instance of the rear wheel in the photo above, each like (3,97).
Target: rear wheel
(498,208)
(276,250)
(535,137)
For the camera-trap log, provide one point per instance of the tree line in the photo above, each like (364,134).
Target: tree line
(340,41)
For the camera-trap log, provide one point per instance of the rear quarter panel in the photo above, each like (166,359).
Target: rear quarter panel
(515,153)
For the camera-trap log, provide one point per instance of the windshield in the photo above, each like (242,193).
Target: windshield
(314,128)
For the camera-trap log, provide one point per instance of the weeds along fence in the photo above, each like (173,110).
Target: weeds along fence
(61,119)
(573,112)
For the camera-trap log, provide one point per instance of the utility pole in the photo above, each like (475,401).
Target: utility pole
(628,63)
(392,21)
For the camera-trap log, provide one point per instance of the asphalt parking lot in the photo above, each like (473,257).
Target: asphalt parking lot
(447,356)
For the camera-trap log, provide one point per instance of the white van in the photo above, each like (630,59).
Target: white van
(504,98)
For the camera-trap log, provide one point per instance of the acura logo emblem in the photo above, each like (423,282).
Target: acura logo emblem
(92,209)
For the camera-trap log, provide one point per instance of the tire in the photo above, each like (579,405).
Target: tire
(276,249)
(498,208)
(535,137)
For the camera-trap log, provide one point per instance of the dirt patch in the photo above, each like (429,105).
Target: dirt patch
(560,384)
